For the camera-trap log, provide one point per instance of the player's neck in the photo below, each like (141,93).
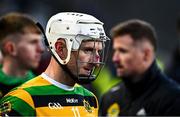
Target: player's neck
(56,73)
(12,68)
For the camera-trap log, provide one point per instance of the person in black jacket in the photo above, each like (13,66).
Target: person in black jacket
(144,89)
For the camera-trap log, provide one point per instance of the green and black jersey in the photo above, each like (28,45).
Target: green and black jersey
(9,82)
(40,97)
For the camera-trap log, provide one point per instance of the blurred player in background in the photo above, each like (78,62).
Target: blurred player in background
(21,47)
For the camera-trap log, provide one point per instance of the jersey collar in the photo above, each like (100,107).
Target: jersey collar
(60,85)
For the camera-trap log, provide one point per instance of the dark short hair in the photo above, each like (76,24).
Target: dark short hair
(137,29)
(15,23)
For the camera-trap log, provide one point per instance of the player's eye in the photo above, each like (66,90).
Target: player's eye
(88,50)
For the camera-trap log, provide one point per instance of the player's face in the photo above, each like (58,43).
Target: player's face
(127,56)
(29,50)
(87,58)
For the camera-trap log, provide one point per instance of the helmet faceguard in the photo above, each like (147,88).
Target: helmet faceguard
(77,29)
(94,56)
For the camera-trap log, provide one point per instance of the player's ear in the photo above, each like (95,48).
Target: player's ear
(148,53)
(61,48)
(10,48)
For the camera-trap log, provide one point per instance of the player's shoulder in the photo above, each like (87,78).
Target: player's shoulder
(17,95)
(15,100)
(22,97)
(23,92)
(36,81)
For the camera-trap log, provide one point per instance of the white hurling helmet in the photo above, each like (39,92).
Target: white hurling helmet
(74,28)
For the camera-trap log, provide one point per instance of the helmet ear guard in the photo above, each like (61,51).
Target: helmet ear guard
(69,46)
(52,49)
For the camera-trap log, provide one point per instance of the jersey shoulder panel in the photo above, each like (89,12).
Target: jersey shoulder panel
(37,81)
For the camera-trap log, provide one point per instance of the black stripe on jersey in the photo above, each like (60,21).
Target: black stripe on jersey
(63,100)
(6,88)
